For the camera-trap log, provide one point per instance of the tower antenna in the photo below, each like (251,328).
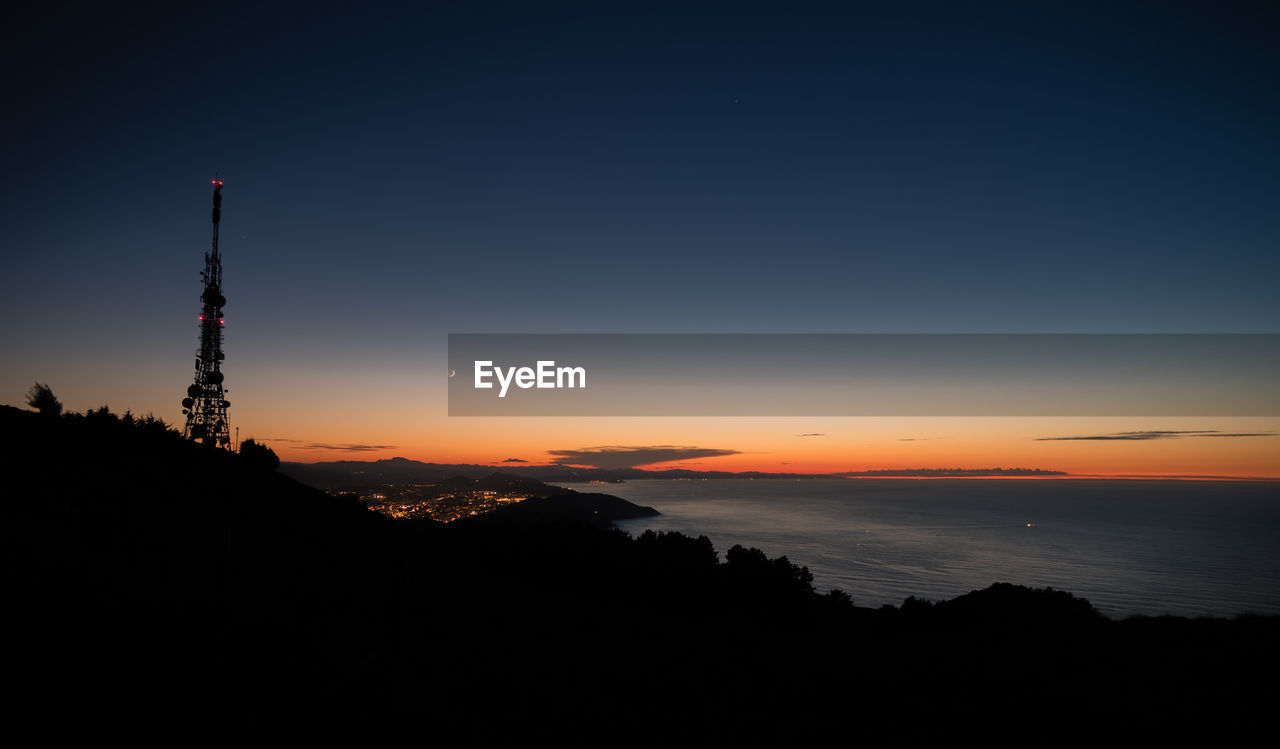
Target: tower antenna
(206,405)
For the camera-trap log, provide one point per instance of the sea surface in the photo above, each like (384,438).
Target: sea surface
(1187,548)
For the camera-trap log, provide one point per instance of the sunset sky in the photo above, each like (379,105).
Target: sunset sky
(395,176)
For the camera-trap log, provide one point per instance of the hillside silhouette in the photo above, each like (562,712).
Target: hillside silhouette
(155,583)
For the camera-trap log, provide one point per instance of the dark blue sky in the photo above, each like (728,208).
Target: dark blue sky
(394,176)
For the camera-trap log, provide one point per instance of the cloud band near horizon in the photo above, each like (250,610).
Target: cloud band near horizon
(629,456)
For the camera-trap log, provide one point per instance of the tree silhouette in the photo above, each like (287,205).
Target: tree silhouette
(40,397)
(259,455)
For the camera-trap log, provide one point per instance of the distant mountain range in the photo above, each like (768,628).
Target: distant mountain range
(354,475)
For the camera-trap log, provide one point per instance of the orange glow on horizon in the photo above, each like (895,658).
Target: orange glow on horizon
(812,446)
(385,425)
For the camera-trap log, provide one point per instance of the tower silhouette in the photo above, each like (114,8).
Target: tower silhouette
(205,405)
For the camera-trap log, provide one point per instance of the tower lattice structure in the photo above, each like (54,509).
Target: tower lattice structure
(206,405)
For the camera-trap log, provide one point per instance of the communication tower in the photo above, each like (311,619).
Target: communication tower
(206,405)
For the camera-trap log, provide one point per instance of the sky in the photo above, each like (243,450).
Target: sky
(397,175)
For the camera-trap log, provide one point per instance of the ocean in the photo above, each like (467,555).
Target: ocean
(1186,548)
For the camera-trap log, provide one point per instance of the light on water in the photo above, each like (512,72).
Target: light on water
(1130,547)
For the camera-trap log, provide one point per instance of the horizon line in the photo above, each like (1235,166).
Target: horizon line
(866,474)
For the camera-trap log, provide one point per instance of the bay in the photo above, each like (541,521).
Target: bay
(1151,547)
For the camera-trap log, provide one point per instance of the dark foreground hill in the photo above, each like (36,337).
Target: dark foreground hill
(168,592)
